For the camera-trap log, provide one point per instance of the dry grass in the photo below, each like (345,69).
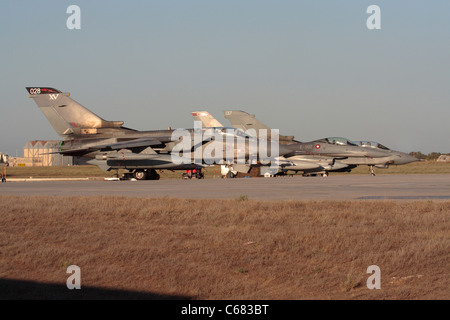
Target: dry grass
(58,172)
(230,249)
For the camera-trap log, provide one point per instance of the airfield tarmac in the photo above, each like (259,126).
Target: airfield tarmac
(355,187)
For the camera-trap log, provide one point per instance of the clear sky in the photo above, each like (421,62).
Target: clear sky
(309,68)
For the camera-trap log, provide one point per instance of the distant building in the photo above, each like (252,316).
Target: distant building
(39,154)
(444,158)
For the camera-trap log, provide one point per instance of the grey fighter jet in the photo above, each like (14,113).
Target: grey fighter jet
(289,162)
(391,157)
(109,144)
(230,170)
(345,153)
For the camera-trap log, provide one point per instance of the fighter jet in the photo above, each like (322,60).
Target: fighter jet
(231,169)
(346,154)
(288,162)
(110,145)
(391,157)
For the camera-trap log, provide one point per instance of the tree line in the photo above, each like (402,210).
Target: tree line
(431,156)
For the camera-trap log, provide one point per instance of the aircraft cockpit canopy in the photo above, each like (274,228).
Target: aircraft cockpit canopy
(372,144)
(228,131)
(341,141)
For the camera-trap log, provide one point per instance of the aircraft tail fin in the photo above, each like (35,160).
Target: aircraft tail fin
(206,118)
(68,117)
(244,121)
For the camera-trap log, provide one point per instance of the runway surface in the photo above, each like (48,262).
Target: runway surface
(391,187)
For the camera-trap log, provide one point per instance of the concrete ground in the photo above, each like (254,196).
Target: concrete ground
(355,187)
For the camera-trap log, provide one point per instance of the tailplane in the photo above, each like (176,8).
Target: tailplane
(68,117)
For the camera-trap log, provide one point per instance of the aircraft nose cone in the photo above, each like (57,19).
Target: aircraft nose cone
(375,153)
(405,158)
(411,158)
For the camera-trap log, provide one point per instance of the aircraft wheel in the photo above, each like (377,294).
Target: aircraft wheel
(153,175)
(140,175)
(230,175)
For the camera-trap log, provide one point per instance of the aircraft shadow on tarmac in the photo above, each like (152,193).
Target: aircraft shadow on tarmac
(30,290)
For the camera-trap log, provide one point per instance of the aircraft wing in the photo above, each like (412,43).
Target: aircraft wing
(136,143)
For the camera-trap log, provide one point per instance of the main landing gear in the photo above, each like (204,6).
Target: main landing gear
(148,174)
